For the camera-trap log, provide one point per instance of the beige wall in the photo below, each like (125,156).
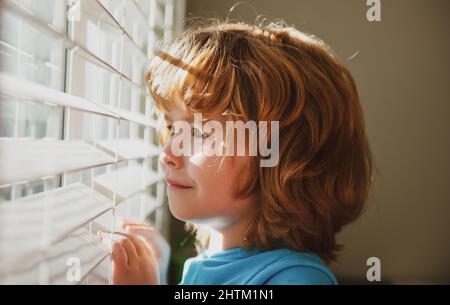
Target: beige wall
(403,73)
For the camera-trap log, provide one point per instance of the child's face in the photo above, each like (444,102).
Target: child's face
(200,187)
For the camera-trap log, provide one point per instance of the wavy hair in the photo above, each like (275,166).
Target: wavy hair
(276,72)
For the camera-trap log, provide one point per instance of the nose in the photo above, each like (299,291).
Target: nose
(168,159)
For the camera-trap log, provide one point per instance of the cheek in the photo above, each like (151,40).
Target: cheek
(212,195)
(215,182)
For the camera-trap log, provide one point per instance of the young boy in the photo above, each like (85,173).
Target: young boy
(260,224)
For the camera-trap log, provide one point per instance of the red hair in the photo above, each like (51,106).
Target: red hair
(278,73)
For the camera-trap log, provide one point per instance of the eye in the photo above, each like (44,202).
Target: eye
(171,130)
(197,133)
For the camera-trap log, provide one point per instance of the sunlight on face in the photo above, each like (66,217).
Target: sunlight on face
(200,187)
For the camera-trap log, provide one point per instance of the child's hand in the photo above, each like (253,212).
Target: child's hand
(134,262)
(154,238)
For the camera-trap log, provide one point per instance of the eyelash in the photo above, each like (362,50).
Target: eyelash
(204,135)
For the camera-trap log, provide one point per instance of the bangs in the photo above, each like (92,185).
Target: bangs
(194,73)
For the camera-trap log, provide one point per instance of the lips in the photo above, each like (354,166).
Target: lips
(175,184)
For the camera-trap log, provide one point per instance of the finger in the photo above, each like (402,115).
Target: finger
(149,236)
(140,230)
(119,255)
(139,245)
(129,223)
(155,252)
(129,247)
(153,237)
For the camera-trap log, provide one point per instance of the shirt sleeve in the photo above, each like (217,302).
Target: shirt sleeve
(300,275)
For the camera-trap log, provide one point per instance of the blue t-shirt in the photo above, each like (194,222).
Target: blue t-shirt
(237,266)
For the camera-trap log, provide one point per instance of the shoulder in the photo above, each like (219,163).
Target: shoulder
(299,268)
(187,264)
(301,275)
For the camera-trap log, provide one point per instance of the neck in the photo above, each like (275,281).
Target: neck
(227,238)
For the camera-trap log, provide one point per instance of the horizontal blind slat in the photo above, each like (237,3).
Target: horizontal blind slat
(32,224)
(133,116)
(136,207)
(72,44)
(17,87)
(128,149)
(28,160)
(118,24)
(80,244)
(56,220)
(131,179)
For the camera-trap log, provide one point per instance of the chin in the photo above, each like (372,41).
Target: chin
(181,211)
(185,212)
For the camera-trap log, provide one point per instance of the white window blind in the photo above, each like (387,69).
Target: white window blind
(78,144)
